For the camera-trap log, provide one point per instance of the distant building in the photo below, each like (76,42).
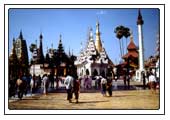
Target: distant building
(38,59)
(152,64)
(132,55)
(18,59)
(158,56)
(40,55)
(93,60)
(58,62)
(130,62)
(55,62)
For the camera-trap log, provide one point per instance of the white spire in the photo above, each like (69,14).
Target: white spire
(141,45)
(52,45)
(91,34)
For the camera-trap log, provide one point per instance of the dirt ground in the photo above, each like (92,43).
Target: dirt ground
(124,99)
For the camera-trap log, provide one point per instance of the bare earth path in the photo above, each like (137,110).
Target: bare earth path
(132,99)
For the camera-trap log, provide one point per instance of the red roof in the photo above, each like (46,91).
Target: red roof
(132,46)
(133,54)
(132,50)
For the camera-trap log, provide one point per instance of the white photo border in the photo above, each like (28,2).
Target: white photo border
(161,111)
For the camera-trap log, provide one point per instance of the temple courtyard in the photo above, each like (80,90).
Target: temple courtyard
(121,99)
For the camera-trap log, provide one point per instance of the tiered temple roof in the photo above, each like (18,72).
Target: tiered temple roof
(93,53)
(132,49)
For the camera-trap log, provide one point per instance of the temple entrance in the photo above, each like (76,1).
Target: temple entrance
(61,72)
(102,74)
(95,73)
(87,72)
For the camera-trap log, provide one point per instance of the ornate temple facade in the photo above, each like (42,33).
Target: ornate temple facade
(93,60)
(18,58)
(55,62)
(58,62)
(35,68)
(130,59)
(40,55)
(132,55)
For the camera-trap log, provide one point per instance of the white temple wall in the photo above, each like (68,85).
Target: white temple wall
(88,66)
(36,69)
(80,70)
(97,69)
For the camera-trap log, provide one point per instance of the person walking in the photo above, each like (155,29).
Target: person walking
(76,88)
(115,82)
(25,83)
(20,87)
(51,79)
(103,86)
(45,84)
(144,80)
(125,79)
(39,82)
(109,86)
(69,87)
(152,82)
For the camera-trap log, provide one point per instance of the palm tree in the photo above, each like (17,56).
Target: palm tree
(32,47)
(126,34)
(119,34)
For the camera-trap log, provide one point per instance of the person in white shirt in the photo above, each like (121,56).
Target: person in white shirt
(45,84)
(103,86)
(69,83)
(152,82)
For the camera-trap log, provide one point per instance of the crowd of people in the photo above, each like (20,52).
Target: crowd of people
(72,84)
(32,84)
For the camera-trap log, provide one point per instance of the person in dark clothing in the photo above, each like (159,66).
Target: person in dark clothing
(51,78)
(128,81)
(34,86)
(76,89)
(144,80)
(39,81)
(109,86)
(25,82)
(124,79)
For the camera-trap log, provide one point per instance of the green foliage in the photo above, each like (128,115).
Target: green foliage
(32,47)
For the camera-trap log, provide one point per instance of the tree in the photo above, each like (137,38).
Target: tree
(13,64)
(126,34)
(119,34)
(32,47)
(122,31)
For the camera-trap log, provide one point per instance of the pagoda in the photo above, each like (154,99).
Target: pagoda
(40,55)
(131,57)
(93,60)
(57,62)
(13,64)
(20,50)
